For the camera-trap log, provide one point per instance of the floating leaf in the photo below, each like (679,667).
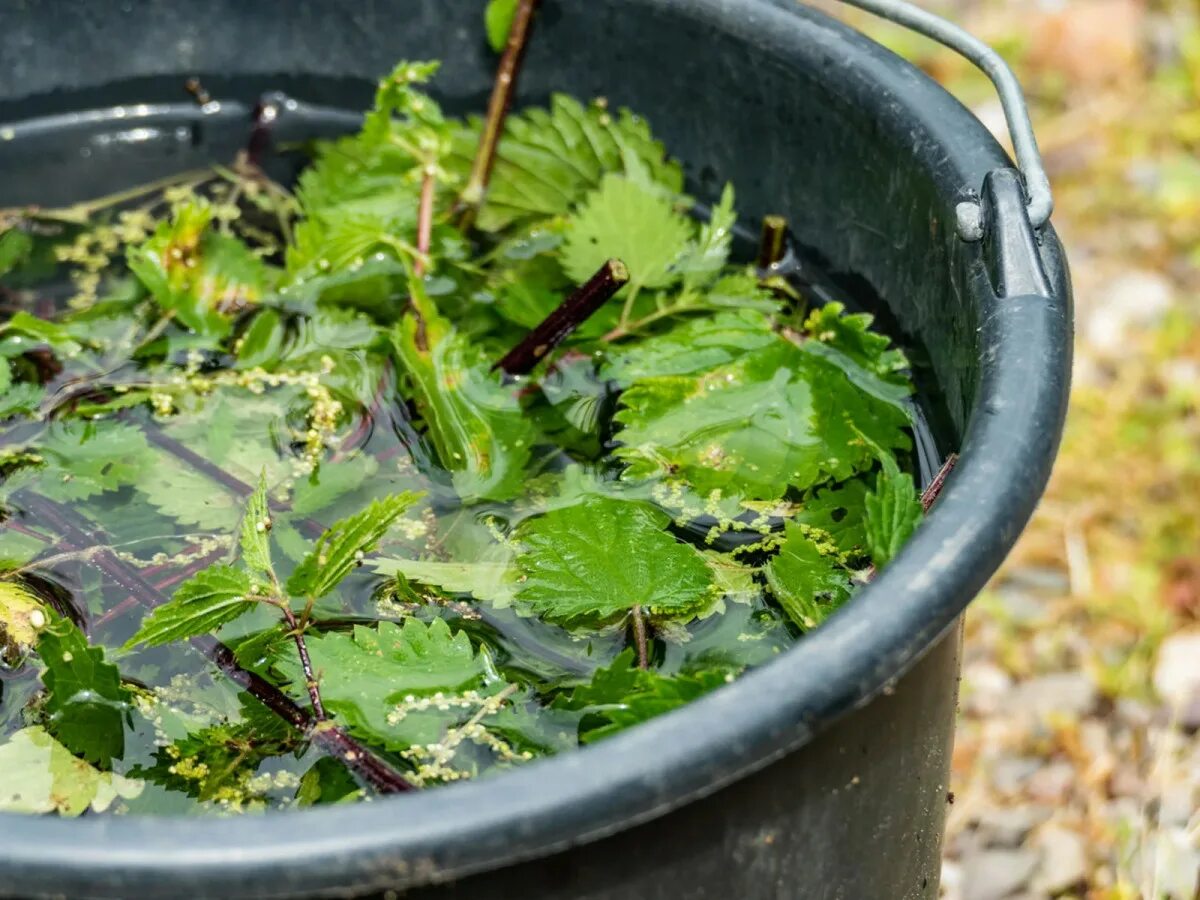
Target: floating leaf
(39,775)
(892,512)
(595,561)
(806,578)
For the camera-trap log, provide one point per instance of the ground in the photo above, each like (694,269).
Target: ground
(1077,762)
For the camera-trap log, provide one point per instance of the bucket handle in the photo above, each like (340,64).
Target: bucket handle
(1012,99)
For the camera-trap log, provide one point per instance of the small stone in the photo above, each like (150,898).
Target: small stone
(1007,827)
(1177,672)
(1071,694)
(1052,783)
(1010,774)
(1064,862)
(995,874)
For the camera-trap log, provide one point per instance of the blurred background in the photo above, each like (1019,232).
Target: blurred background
(1077,760)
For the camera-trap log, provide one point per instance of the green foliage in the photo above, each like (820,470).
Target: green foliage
(597,560)
(40,775)
(498,19)
(344,544)
(892,512)
(209,599)
(482,580)
(474,422)
(256,532)
(775,417)
(198,273)
(84,459)
(621,695)
(367,674)
(550,158)
(86,703)
(15,246)
(632,223)
(22,617)
(807,578)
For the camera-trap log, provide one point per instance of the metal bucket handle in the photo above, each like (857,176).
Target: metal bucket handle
(1016,113)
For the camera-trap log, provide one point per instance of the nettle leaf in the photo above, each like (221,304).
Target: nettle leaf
(188,496)
(86,703)
(474,422)
(483,580)
(85,459)
(40,775)
(702,261)
(852,335)
(776,416)
(593,562)
(15,245)
(498,19)
(344,544)
(630,222)
(548,159)
(209,599)
(692,346)
(892,512)
(256,531)
(198,274)
(23,332)
(367,674)
(838,512)
(807,578)
(329,482)
(621,695)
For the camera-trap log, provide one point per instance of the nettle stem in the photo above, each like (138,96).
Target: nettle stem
(640,640)
(566,317)
(500,103)
(310,677)
(75,531)
(772,244)
(425,219)
(933,491)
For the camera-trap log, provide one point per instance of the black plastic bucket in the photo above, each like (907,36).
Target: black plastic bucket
(823,774)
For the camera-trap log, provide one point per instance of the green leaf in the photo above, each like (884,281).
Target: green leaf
(189,497)
(498,18)
(593,562)
(892,512)
(39,775)
(256,531)
(202,604)
(24,332)
(622,695)
(548,159)
(344,544)
(86,703)
(474,422)
(482,580)
(88,458)
(15,247)
(630,222)
(806,578)
(852,335)
(329,482)
(366,675)
(749,428)
(328,781)
(838,512)
(707,257)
